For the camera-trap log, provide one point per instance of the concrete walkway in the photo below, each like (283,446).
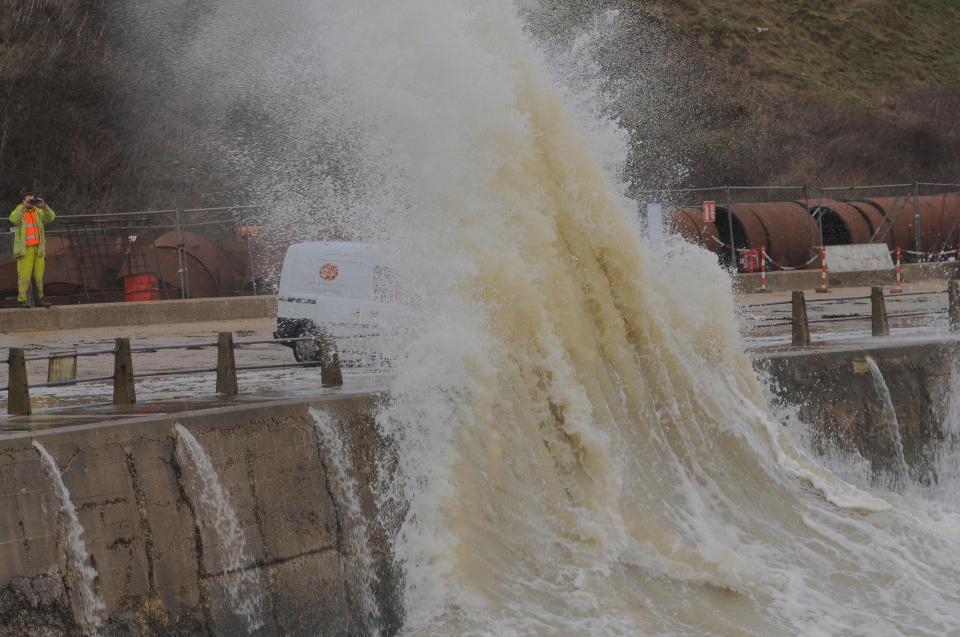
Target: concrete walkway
(92,315)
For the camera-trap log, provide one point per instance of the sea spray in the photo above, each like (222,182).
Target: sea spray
(215,513)
(889,416)
(581,444)
(362,574)
(89,606)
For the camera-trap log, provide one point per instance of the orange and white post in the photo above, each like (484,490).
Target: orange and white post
(824,285)
(899,286)
(763,268)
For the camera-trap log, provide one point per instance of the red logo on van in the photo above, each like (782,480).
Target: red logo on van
(329,272)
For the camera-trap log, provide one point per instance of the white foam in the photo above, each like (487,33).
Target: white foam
(89,605)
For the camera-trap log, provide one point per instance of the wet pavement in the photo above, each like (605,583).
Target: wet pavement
(839,319)
(843,315)
(88,402)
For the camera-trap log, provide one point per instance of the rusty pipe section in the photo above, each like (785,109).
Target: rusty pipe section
(791,231)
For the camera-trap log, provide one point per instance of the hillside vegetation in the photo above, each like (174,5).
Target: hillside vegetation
(713,92)
(840,92)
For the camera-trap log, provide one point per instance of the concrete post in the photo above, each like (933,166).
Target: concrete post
(226,365)
(124,392)
(878,314)
(18,390)
(801,328)
(330,374)
(954,295)
(62,368)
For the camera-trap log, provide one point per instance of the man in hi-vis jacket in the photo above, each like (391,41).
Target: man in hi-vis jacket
(29,245)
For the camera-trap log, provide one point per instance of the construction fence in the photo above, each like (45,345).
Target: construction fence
(791,223)
(161,254)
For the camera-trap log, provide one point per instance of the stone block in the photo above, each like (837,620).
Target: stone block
(310,596)
(225,615)
(287,463)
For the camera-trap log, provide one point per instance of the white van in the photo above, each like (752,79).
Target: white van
(334,289)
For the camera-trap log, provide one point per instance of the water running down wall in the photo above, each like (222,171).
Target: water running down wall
(223,535)
(158,548)
(86,602)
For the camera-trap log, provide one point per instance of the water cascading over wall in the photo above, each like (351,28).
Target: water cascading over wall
(582,449)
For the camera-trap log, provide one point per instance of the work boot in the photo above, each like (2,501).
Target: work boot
(44,303)
(25,304)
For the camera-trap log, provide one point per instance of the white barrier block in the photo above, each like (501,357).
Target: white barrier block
(863,257)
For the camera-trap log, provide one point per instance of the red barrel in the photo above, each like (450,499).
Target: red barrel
(141,287)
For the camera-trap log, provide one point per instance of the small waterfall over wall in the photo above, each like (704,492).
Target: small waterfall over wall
(890,416)
(86,603)
(361,572)
(215,514)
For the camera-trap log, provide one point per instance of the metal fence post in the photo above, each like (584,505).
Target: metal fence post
(878,312)
(124,392)
(954,295)
(253,267)
(916,214)
(182,257)
(801,328)
(226,365)
(733,248)
(18,388)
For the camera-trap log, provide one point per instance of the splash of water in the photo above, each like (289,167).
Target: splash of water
(89,605)
(363,575)
(890,416)
(582,446)
(215,513)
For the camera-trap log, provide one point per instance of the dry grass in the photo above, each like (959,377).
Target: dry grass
(852,91)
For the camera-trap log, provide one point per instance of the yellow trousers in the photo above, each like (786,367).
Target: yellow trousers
(29,265)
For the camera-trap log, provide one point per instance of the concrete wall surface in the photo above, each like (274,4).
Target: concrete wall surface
(65,317)
(834,393)
(157,550)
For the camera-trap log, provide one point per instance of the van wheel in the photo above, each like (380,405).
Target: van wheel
(306,351)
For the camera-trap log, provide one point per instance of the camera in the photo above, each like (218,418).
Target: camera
(35,202)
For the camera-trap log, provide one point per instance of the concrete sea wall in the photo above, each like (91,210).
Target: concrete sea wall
(139,313)
(158,570)
(158,554)
(835,394)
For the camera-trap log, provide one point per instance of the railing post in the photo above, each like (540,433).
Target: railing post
(330,374)
(18,389)
(954,295)
(226,365)
(124,392)
(801,328)
(878,313)
(62,368)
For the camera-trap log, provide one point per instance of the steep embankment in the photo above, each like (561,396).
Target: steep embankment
(57,130)
(715,91)
(842,92)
